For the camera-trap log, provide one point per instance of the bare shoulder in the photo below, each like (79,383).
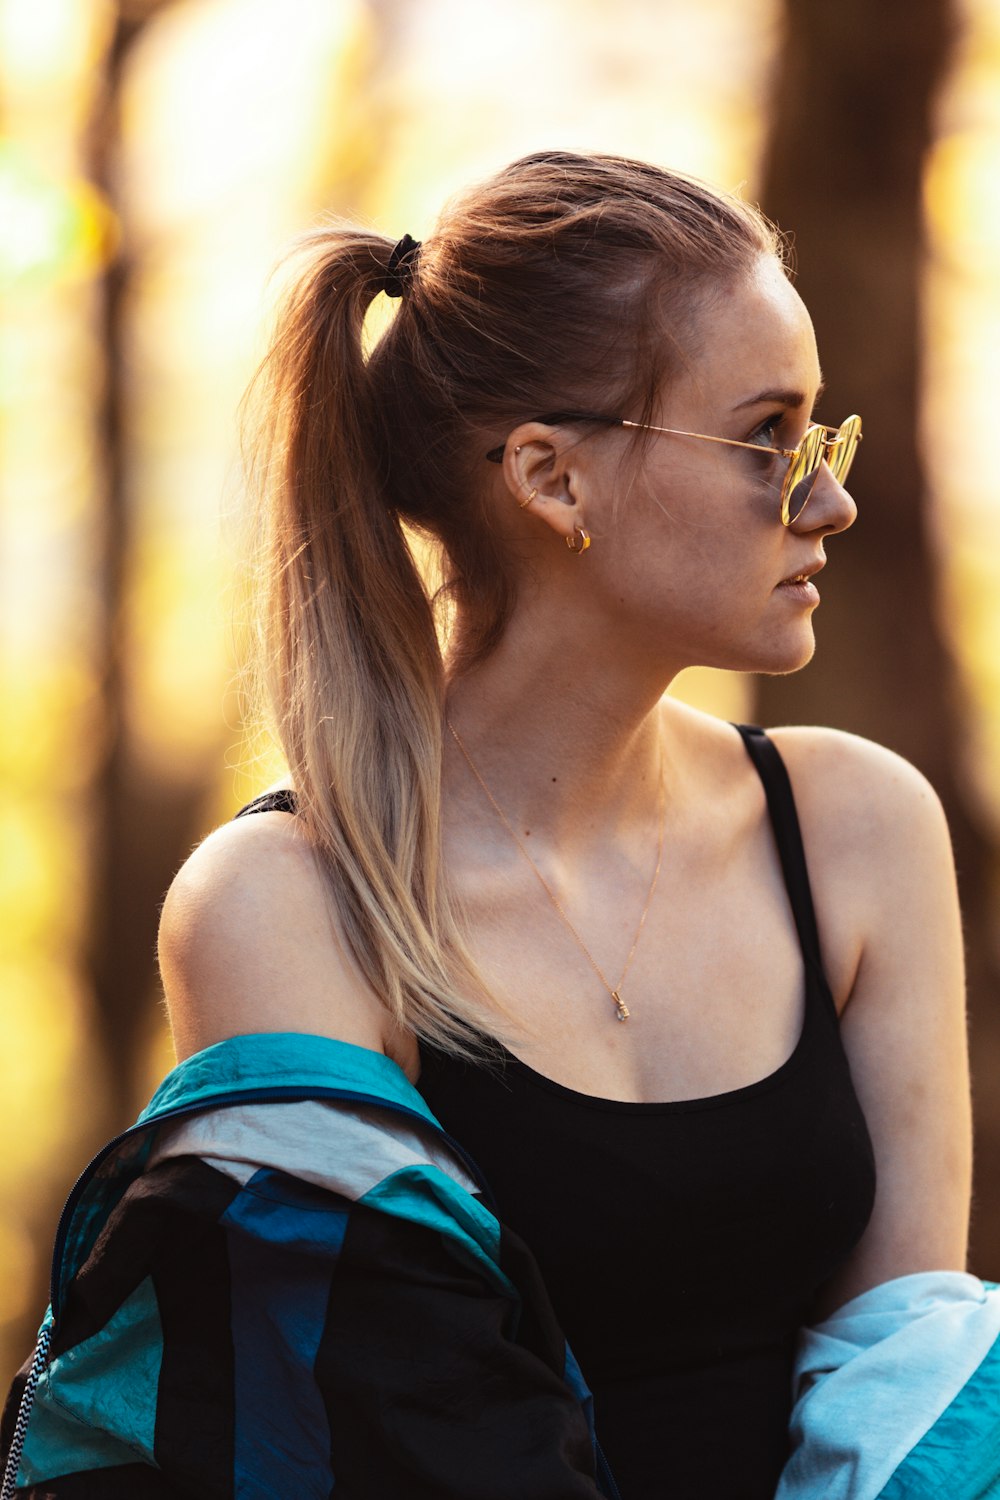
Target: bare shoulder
(250,940)
(850,792)
(876,840)
(859,797)
(880,859)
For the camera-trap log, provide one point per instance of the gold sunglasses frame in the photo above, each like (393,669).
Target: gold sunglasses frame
(841,435)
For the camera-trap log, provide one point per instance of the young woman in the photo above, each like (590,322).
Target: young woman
(706,1098)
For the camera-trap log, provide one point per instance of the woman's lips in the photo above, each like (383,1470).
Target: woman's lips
(801,588)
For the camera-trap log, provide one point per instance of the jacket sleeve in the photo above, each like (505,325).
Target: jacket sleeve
(269,1338)
(896,1395)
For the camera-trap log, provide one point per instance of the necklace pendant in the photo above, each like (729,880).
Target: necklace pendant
(620,1005)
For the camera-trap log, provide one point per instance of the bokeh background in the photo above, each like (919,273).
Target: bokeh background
(154,158)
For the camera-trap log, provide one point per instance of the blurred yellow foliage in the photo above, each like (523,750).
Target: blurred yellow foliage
(50,229)
(41,1030)
(962,193)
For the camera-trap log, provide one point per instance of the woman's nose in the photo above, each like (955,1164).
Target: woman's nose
(830,507)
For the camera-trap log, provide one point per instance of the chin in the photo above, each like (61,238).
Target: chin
(794,660)
(781,658)
(774,654)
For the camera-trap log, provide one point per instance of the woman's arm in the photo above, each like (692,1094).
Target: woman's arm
(883,879)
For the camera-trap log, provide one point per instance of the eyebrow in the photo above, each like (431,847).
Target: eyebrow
(781,397)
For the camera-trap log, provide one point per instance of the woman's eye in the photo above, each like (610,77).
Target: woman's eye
(766,433)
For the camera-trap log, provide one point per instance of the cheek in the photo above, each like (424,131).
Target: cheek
(694,585)
(698,542)
(685,494)
(704,494)
(703,543)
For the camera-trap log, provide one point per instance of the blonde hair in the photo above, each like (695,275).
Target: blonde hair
(561,281)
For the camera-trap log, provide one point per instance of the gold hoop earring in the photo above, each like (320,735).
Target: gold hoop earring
(584,539)
(522,503)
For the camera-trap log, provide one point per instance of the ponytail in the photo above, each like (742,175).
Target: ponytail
(350,669)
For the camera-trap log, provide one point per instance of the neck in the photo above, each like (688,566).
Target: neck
(567,740)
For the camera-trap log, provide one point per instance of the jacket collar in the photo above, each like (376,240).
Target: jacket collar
(272,1062)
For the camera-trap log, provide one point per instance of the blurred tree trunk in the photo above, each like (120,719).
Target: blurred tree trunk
(852,117)
(139,829)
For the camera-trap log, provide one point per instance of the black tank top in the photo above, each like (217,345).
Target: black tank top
(682,1243)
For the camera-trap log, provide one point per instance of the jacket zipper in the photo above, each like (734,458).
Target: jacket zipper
(605,1478)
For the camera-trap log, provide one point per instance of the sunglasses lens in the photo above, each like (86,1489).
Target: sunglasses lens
(801,475)
(842,454)
(839,454)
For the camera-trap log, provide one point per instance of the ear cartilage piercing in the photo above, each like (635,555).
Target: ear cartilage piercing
(522,503)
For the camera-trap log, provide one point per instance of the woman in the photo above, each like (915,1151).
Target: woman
(708,1097)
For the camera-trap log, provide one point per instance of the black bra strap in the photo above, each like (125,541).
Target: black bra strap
(282,800)
(787,835)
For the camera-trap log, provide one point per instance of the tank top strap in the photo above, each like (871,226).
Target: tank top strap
(282,800)
(787,836)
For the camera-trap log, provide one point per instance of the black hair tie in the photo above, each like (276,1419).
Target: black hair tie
(402,264)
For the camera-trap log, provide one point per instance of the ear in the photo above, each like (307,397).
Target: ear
(542,470)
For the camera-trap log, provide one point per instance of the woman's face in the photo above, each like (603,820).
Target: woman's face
(689,555)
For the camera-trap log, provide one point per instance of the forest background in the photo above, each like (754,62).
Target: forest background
(155,157)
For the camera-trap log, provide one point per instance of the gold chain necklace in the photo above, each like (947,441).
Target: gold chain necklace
(622,1011)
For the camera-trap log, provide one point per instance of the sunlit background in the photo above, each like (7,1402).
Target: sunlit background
(153,160)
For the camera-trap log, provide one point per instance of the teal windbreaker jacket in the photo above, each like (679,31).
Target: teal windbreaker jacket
(287,1280)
